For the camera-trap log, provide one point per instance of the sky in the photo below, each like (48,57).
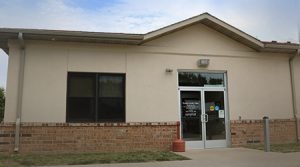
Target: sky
(266,20)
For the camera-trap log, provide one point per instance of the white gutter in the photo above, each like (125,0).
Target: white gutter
(20,91)
(294,100)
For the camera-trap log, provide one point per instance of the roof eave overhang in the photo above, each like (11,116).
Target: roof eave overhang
(4,46)
(4,37)
(280,47)
(68,36)
(86,39)
(138,39)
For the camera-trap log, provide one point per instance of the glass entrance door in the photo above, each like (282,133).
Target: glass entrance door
(191,118)
(215,124)
(203,118)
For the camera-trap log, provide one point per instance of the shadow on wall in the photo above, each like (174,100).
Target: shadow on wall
(2,103)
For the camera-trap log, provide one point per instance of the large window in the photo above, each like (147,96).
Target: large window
(95,97)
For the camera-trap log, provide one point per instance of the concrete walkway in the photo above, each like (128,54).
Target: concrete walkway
(225,157)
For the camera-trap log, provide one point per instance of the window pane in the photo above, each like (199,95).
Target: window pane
(81,97)
(201,79)
(111,110)
(81,109)
(111,86)
(191,115)
(91,100)
(82,86)
(215,79)
(215,109)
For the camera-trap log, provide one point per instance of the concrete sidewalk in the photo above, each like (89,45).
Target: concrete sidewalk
(225,157)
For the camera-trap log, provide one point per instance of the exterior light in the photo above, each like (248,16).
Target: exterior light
(169,70)
(203,62)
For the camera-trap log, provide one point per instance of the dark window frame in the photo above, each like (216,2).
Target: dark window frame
(96,93)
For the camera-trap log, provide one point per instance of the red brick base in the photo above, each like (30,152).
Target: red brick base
(251,131)
(91,137)
(122,137)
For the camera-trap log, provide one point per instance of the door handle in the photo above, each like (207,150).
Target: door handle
(206,118)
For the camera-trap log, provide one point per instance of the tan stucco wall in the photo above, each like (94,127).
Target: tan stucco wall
(11,98)
(45,80)
(258,83)
(296,67)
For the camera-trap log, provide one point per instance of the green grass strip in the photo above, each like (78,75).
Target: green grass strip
(86,158)
(283,148)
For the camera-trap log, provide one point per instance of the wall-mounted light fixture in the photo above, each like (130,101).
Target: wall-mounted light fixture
(169,70)
(203,62)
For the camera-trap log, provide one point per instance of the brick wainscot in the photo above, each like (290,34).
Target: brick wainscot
(246,132)
(88,137)
(122,137)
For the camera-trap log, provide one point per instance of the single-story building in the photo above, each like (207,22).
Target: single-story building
(74,91)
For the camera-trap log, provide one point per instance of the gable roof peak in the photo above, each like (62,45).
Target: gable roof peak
(212,22)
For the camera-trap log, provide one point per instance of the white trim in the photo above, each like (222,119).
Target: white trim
(227,114)
(175,26)
(236,31)
(179,105)
(202,71)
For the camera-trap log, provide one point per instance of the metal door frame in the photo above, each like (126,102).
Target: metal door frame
(216,143)
(204,143)
(193,144)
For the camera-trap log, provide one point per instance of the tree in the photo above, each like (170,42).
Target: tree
(2,103)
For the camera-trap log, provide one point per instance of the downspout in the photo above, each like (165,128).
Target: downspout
(294,101)
(20,91)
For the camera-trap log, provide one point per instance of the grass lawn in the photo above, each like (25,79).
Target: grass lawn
(18,160)
(284,148)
